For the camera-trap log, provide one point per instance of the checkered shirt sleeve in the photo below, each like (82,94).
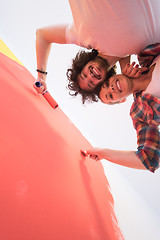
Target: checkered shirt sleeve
(148,54)
(145,114)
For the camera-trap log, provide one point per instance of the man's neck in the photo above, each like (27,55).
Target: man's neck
(110,59)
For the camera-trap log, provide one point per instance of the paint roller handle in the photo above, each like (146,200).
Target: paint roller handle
(47,96)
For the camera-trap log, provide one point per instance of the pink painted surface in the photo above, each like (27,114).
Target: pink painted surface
(48,189)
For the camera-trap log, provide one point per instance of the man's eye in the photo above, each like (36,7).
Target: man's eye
(92,83)
(84,75)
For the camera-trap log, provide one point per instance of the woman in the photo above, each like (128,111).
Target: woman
(145,113)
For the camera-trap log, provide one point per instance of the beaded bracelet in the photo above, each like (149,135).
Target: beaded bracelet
(41,71)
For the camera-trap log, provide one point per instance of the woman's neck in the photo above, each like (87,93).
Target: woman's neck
(141,83)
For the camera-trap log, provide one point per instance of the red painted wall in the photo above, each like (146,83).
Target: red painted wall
(48,191)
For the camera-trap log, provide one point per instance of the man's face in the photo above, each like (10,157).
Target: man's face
(93,73)
(119,87)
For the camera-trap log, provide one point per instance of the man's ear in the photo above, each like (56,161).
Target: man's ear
(123,100)
(104,85)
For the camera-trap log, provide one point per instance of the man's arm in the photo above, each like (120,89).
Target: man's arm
(44,38)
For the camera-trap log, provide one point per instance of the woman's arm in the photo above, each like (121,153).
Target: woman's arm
(124,61)
(44,38)
(124,158)
(131,70)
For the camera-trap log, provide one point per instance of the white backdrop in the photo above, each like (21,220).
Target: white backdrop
(136,192)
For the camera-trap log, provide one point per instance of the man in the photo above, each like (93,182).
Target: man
(116,29)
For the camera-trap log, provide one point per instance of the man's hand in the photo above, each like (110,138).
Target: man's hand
(43,86)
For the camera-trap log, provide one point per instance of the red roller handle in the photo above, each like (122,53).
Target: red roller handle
(48,97)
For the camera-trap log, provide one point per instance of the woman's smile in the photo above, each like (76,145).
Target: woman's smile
(115,86)
(116,90)
(118,86)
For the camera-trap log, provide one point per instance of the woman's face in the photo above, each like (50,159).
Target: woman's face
(93,73)
(119,87)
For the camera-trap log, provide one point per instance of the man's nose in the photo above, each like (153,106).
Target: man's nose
(92,79)
(112,88)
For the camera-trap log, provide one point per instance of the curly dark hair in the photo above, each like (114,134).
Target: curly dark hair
(78,63)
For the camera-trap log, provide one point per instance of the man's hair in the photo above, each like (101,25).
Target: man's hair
(78,63)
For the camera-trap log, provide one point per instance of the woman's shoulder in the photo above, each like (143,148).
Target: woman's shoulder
(145,108)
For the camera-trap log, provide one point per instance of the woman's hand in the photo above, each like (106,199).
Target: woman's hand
(43,86)
(94,153)
(132,70)
(123,158)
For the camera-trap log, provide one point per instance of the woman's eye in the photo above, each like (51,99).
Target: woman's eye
(111,96)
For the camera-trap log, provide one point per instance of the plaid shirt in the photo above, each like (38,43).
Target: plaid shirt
(148,54)
(145,113)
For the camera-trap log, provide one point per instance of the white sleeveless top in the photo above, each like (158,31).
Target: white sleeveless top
(114,27)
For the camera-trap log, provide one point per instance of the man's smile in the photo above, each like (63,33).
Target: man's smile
(95,72)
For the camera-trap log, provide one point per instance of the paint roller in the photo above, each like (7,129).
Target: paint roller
(48,96)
